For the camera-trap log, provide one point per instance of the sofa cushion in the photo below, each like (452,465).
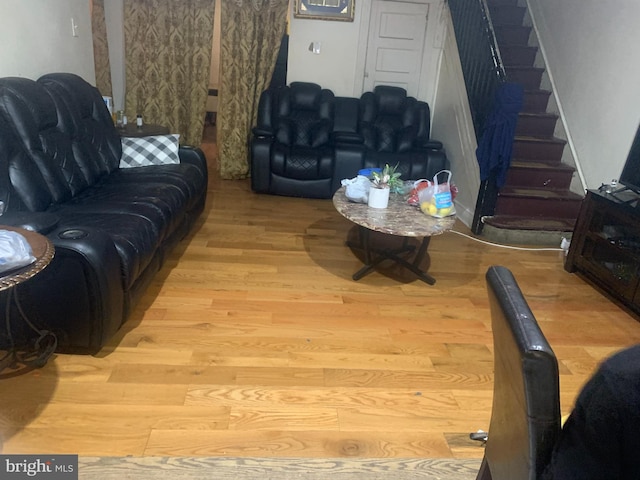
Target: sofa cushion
(187,178)
(406,139)
(22,186)
(152,150)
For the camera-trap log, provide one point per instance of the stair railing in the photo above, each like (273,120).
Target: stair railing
(483,72)
(479,55)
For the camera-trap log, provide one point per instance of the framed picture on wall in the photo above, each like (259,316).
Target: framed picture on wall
(325,9)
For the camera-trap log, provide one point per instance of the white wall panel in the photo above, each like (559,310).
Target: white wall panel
(36,38)
(593,60)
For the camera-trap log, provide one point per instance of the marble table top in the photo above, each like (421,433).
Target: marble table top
(399,218)
(43,251)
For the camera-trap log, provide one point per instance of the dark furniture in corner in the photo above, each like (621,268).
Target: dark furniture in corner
(112,228)
(307,140)
(605,245)
(525,416)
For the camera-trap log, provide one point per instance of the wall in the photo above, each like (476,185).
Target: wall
(593,60)
(340,66)
(114,18)
(36,38)
(453,126)
(334,68)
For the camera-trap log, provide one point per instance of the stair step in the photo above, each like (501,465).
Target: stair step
(536,202)
(507,14)
(547,233)
(547,149)
(536,101)
(536,124)
(528,77)
(493,3)
(518,55)
(512,34)
(544,224)
(543,175)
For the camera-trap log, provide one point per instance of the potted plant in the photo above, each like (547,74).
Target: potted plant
(381,184)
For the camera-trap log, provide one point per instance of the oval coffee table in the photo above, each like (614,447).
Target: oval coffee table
(398,219)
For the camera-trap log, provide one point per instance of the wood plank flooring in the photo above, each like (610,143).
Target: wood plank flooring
(254,341)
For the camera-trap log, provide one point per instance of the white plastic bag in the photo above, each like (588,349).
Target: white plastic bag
(436,200)
(15,251)
(357,189)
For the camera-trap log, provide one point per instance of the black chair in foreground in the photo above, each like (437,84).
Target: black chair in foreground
(525,417)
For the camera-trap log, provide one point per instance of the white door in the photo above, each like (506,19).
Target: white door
(396,45)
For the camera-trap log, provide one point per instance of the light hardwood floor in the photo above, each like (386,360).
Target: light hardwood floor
(254,341)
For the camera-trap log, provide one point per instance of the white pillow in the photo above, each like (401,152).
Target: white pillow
(152,150)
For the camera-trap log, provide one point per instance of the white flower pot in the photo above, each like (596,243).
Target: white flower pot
(379,197)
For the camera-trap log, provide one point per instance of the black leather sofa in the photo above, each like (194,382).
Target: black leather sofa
(112,227)
(307,140)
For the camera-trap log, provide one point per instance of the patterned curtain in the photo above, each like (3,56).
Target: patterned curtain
(100,48)
(168,56)
(250,38)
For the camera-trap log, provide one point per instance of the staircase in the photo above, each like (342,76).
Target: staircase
(536,196)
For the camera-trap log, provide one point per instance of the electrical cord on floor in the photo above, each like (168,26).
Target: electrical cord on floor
(508,246)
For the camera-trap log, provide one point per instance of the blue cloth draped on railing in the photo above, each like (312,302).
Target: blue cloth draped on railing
(496,144)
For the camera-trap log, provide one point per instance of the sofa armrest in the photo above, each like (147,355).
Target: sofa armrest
(349,159)
(40,222)
(192,155)
(86,263)
(261,132)
(260,152)
(430,144)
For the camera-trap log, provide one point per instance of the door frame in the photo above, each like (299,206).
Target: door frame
(436,28)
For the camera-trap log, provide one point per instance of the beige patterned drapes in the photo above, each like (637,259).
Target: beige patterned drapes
(100,48)
(250,38)
(168,56)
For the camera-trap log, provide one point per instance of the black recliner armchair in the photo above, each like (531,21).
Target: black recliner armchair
(395,129)
(291,150)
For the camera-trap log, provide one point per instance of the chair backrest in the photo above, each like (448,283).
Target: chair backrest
(83,115)
(390,121)
(300,114)
(525,417)
(31,114)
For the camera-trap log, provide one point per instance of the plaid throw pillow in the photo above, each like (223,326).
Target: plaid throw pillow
(154,150)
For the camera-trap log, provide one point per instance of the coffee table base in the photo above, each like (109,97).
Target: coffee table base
(374,256)
(19,359)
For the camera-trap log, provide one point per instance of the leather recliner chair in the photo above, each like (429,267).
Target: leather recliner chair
(291,150)
(395,129)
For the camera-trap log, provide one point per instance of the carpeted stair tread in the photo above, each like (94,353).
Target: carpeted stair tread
(495,3)
(538,114)
(539,193)
(541,165)
(534,139)
(514,222)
